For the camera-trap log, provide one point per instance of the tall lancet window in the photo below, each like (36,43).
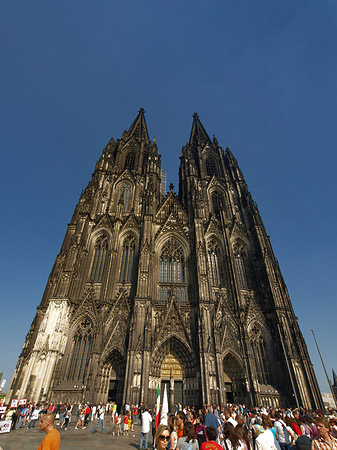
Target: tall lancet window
(241,269)
(80,354)
(213,255)
(172,263)
(100,258)
(130,161)
(218,203)
(123,198)
(260,355)
(210,166)
(128,258)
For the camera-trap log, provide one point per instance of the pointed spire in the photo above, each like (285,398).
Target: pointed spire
(139,129)
(334,376)
(198,132)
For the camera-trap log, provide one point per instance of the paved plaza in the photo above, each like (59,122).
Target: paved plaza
(25,439)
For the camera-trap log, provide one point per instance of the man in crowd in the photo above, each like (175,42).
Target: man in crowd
(283,436)
(144,434)
(211,443)
(52,439)
(180,423)
(324,440)
(212,421)
(100,412)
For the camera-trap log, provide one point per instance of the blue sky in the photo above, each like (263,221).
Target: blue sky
(262,76)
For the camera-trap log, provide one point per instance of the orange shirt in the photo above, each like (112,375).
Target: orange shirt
(180,433)
(51,441)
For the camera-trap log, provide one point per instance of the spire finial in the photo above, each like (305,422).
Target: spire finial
(141,111)
(171,186)
(195,115)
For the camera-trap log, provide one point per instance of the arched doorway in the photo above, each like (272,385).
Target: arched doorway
(114,371)
(234,379)
(174,354)
(172,378)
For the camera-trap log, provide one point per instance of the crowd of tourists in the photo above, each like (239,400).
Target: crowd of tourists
(240,428)
(209,428)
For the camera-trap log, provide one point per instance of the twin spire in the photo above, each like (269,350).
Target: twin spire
(139,130)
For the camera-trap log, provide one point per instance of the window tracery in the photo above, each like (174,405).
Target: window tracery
(128,258)
(100,258)
(82,343)
(218,203)
(211,167)
(260,355)
(213,256)
(240,264)
(172,263)
(130,161)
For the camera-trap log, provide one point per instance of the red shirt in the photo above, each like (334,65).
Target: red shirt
(210,445)
(126,419)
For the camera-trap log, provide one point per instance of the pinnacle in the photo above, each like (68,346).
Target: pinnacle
(138,128)
(198,132)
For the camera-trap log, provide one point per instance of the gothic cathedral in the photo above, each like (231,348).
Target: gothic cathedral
(152,288)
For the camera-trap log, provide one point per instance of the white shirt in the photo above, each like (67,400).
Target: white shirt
(146,420)
(232,421)
(35,414)
(266,441)
(282,432)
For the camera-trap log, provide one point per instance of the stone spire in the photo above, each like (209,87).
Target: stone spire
(198,133)
(138,128)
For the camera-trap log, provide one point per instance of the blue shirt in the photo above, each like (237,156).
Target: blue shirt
(211,421)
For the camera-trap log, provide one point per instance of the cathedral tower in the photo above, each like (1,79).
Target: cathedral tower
(151,288)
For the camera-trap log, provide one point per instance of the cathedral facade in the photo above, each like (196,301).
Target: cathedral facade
(152,288)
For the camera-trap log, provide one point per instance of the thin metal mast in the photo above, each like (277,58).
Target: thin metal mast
(326,374)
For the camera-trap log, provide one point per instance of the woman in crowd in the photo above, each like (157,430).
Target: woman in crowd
(188,441)
(267,440)
(291,431)
(200,430)
(231,439)
(172,420)
(81,419)
(162,437)
(242,434)
(304,427)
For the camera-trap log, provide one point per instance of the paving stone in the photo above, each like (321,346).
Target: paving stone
(25,439)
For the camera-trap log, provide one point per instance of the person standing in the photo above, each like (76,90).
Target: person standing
(282,432)
(101,412)
(52,439)
(324,440)
(34,418)
(212,421)
(144,434)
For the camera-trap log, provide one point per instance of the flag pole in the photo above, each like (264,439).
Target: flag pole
(326,374)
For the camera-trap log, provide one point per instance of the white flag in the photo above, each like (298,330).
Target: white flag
(164,408)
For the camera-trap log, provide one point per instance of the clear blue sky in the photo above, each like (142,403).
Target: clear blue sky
(261,74)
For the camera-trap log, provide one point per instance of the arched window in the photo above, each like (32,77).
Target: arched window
(213,256)
(130,161)
(82,344)
(128,258)
(241,269)
(260,355)
(210,166)
(100,258)
(123,197)
(214,263)
(172,263)
(218,203)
